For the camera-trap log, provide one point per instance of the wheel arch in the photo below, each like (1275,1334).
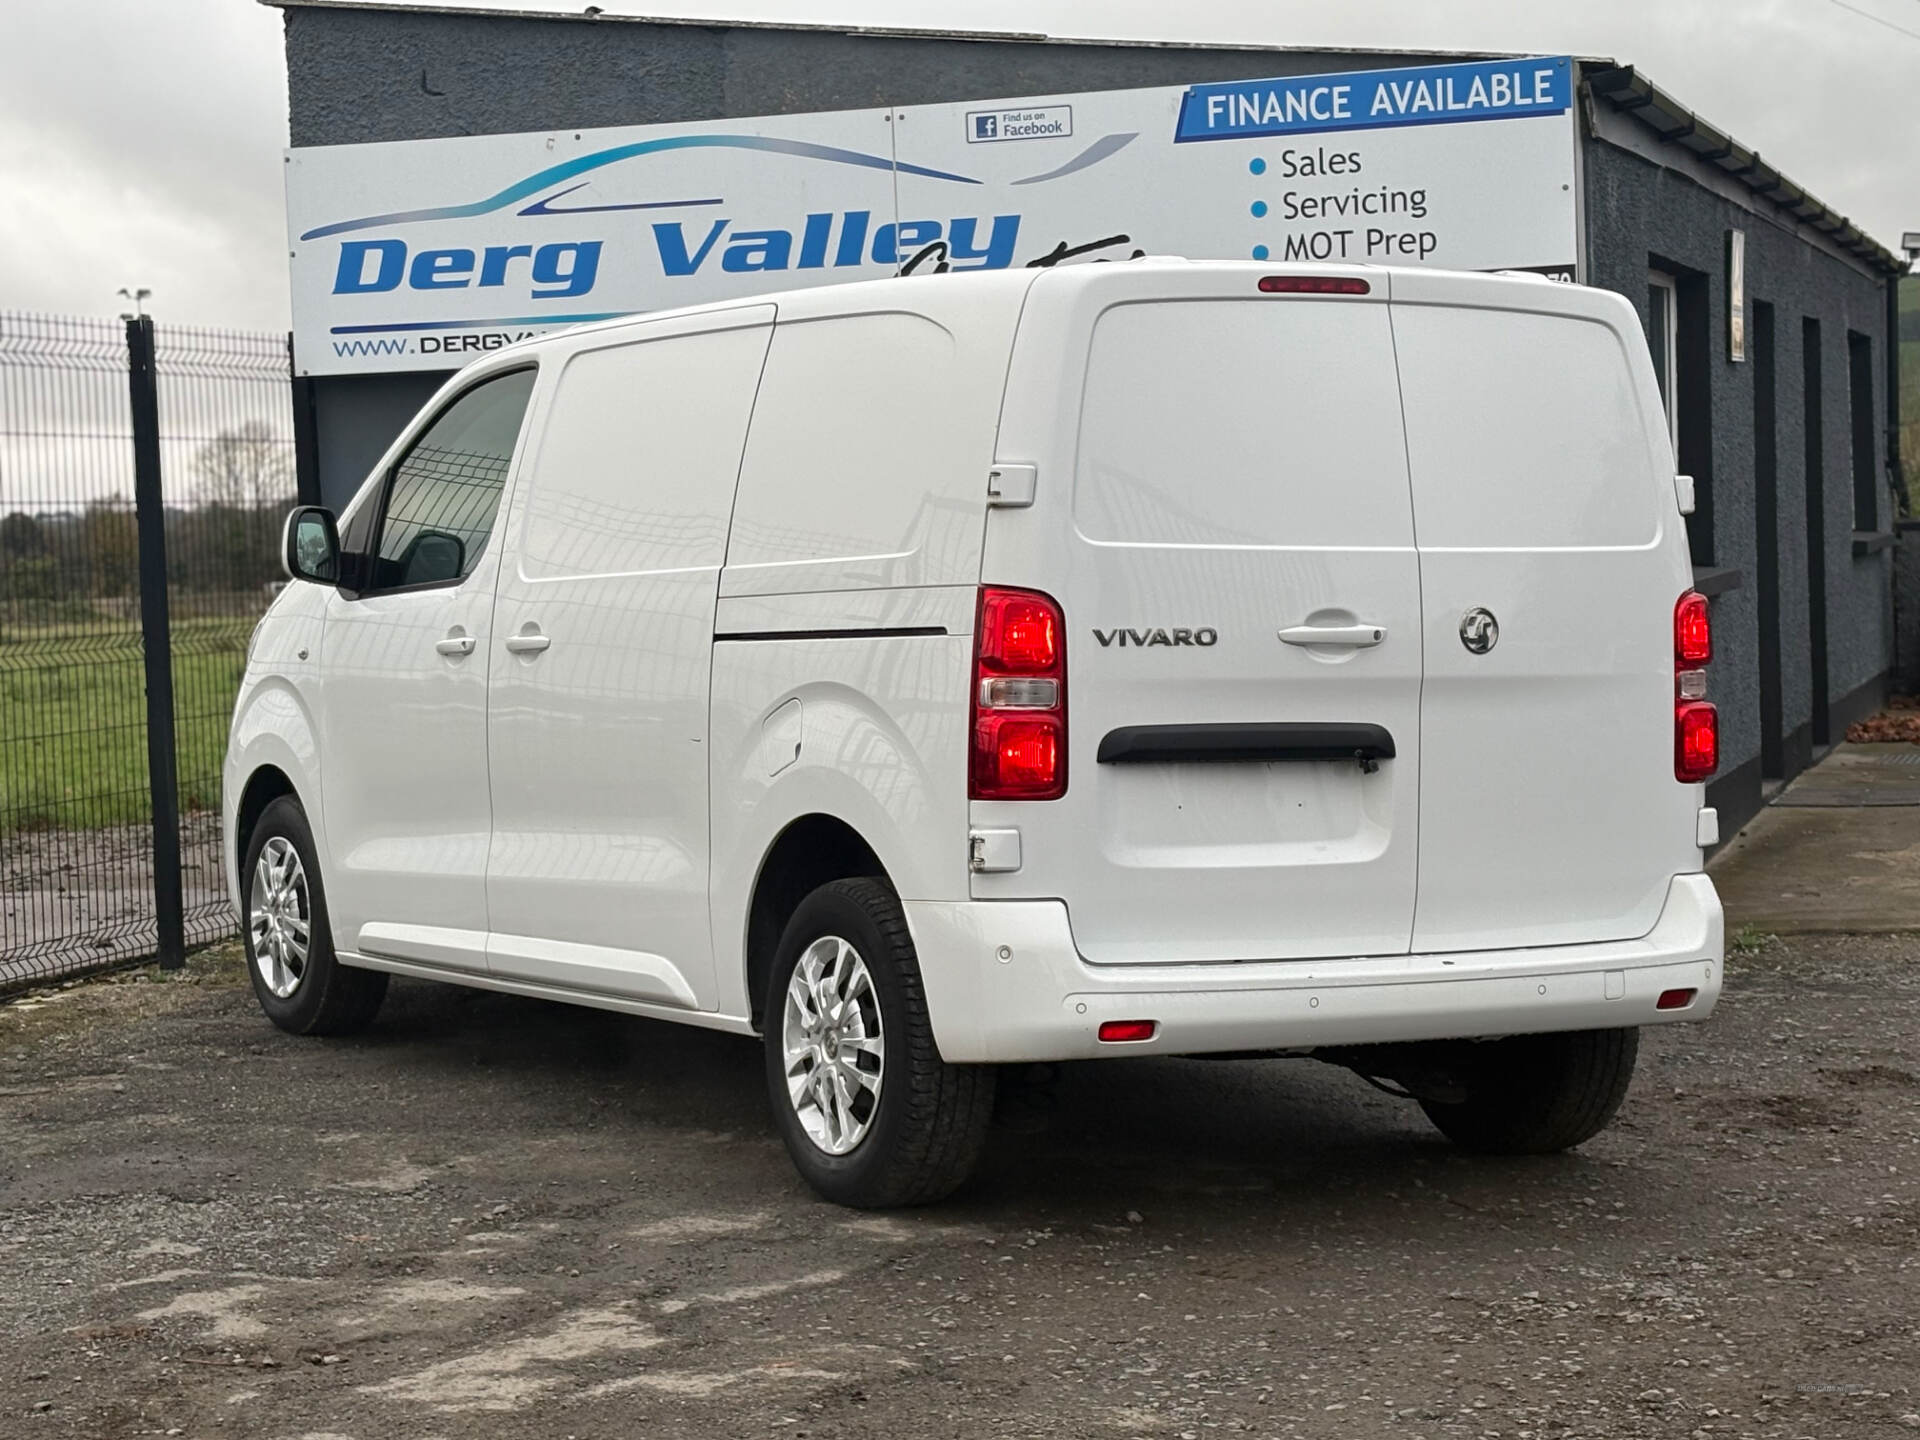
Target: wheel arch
(266,784)
(812,850)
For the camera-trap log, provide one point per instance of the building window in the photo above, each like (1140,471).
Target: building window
(1663,312)
(1680,339)
(1866,488)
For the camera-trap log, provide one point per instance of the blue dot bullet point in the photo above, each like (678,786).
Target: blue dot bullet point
(1257,165)
(1259,209)
(1259,252)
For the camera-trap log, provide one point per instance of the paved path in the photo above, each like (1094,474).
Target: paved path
(1837,852)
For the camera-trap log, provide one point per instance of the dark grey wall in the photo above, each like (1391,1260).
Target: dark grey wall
(1641,214)
(359,75)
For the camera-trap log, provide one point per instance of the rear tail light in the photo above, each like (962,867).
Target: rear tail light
(1019,698)
(1692,630)
(1696,724)
(1696,740)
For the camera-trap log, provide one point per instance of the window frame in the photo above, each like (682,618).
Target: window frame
(1667,356)
(367,558)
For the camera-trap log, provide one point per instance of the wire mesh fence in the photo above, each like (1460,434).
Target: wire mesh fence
(77,878)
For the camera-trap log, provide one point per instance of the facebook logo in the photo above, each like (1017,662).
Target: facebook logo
(1045,123)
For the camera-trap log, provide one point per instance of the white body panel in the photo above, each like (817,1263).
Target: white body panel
(597,873)
(785,632)
(1235,469)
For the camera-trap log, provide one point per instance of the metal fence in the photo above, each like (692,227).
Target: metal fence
(144,474)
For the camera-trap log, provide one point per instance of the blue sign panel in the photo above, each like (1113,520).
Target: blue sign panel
(1376,99)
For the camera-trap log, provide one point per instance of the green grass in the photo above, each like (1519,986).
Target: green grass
(73,737)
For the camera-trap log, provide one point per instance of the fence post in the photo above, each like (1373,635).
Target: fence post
(169,907)
(306,435)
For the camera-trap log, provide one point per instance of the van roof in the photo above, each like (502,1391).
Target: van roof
(945,296)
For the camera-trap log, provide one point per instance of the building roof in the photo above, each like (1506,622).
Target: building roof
(594,15)
(1621,86)
(1626,89)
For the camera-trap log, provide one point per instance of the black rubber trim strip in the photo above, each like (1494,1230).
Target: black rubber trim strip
(1280,740)
(877,633)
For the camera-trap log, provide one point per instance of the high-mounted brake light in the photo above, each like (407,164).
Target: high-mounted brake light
(1019,698)
(1696,724)
(1314,285)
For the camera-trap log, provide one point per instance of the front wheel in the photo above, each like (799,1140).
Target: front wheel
(870,1113)
(297,979)
(1537,1094)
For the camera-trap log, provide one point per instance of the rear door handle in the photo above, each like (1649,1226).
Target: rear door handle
(527,644)
(455,645)
(1360,637)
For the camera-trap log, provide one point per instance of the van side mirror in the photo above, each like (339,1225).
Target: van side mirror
(311,546)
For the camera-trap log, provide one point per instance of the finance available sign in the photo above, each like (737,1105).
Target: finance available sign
(419,255)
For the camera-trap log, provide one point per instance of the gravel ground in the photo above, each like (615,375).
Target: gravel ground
(496,1217)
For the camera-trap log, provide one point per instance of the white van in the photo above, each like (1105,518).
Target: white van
(1156,658)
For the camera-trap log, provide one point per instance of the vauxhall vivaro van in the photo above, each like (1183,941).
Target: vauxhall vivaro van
(1154,658)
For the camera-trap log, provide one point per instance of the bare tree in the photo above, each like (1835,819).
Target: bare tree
(247,468)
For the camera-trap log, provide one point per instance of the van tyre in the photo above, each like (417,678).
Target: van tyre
(870,1113)
(1538,1094)
(298,980)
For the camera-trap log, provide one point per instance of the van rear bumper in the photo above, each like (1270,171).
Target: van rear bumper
(1004,983)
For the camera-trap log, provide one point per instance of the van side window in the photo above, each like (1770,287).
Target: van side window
(441,501)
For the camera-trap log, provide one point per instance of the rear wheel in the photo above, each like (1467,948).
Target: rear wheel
(298,981)
(870,1113)
(1536,1094)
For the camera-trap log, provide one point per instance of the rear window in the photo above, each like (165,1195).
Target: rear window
(1243,423)
(1525,431)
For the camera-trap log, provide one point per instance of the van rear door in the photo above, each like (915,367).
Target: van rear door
(1230,537)
(1544,505)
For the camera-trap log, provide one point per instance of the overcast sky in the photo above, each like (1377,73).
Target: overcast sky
(140,140)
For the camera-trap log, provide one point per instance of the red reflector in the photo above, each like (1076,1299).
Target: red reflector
(1692,632)
(1696,740)
(1119,1031)
(1675,999)
(1314,285)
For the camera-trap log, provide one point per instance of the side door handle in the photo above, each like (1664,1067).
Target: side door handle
(1359,637)
(455,644)
(528,642)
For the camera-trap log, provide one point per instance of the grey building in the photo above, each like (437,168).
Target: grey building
(1793,448)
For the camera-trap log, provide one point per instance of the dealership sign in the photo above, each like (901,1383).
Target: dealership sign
(419,255)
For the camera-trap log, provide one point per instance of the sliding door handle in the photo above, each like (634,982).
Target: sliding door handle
(1359,637)
(527,644)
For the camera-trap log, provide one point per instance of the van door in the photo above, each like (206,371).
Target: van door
(403,692)
(1242,606)
(1551,558)
(597,716)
